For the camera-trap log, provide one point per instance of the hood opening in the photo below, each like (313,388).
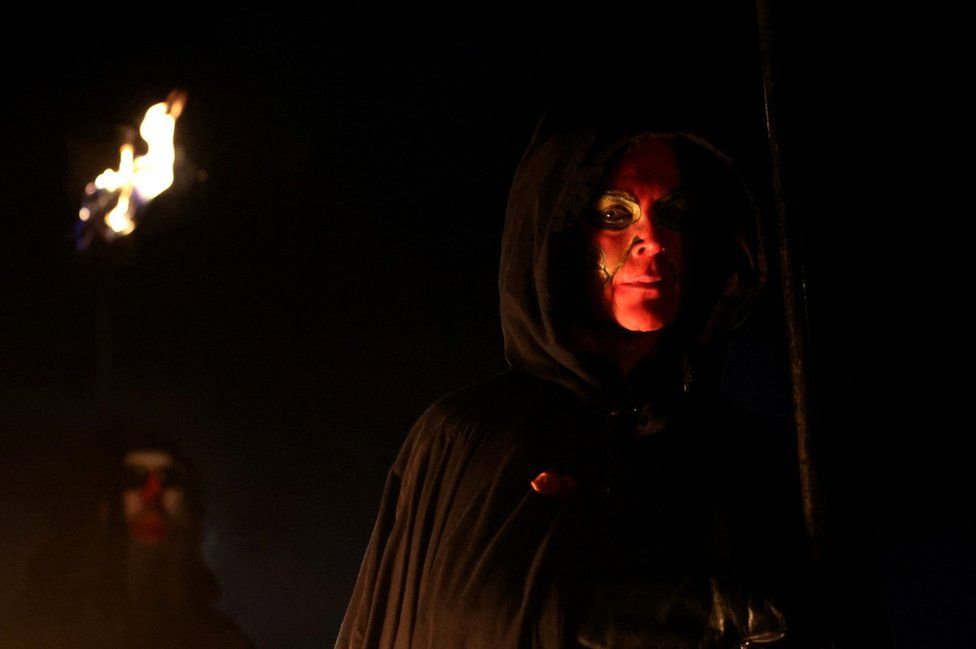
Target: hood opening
(549,325)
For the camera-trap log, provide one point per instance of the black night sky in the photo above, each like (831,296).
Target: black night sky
(326,265)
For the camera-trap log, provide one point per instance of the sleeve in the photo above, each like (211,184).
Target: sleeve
(383,606)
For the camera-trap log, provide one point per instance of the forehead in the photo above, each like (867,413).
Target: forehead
(148,459)
(649,167)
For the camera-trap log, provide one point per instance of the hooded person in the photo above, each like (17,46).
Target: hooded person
(601,492)
(123,569)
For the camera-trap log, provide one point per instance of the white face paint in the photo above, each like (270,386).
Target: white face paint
(153,496)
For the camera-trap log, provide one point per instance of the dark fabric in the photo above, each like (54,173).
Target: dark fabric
(689,537)
(75,598)
(76,593)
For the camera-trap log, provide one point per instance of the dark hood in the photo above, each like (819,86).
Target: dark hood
(541,276)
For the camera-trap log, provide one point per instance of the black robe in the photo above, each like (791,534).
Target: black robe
(524,511)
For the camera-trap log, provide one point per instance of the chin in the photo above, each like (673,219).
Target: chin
(643,328)
(642,321)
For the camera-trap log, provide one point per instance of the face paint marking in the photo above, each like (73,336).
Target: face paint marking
(616,210)
(152,495)
(601,263)
(671,211)
(636,227)
(608,275)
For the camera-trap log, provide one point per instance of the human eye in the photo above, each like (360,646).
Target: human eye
(133,477)
(674,211)
(171,476)
(615,211)
(670,217)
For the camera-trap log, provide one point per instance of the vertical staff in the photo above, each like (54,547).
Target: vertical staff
(794,300)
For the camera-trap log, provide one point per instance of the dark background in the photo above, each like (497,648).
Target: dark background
(326,266)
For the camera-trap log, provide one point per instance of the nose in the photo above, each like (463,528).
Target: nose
(152,490)
(649,241)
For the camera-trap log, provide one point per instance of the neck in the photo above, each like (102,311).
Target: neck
(657,352)
(628,349)
(650,361)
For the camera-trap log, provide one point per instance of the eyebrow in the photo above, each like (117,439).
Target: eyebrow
(673,196)
(619,193)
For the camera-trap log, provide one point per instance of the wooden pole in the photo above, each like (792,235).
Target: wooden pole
(794,299)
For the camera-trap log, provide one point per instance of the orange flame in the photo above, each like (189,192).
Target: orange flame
(139,179)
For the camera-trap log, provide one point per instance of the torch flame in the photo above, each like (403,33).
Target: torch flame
(120,219)
(139,179)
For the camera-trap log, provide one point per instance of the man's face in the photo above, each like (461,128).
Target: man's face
(639,249)
(153,497)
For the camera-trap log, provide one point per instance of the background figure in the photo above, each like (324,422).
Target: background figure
(122,566)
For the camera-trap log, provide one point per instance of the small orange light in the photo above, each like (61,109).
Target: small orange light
(550,484)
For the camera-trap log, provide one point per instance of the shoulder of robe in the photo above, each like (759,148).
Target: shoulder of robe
(501,401)
(510,406)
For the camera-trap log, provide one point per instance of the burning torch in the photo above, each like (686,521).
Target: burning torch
(110,209)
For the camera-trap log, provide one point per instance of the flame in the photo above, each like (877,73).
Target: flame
(139,179)
(119,219)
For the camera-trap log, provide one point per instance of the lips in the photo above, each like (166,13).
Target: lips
(646,282)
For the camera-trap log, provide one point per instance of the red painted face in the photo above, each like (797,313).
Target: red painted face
(640,260)
(153,499)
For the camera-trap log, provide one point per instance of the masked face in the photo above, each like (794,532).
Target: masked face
(153,496)
(636,240)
